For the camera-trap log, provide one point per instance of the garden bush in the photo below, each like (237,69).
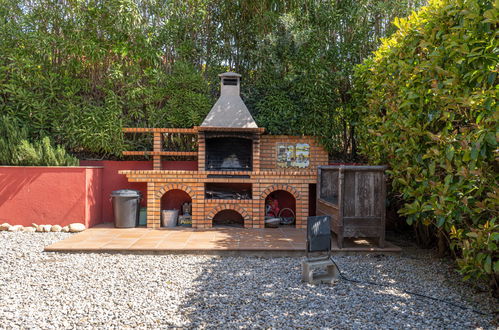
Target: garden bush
(80,71)
(16,149)
(428,99)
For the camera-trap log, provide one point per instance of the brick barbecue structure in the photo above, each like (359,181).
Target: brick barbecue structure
(239,167)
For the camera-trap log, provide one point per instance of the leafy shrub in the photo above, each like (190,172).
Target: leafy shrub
(80,71)
(479,251)
(15,149)
(430,112)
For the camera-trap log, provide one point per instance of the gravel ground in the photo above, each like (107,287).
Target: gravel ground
(50,290)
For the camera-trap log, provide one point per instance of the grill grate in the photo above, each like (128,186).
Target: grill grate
(229,154)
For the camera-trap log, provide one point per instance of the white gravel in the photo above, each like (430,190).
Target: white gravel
(51,290)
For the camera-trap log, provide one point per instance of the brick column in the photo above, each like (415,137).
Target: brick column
(256,153)
(201,151)
(157,147)
(248,217)
(258,207)
(198,205)
(302,206)
(153,207)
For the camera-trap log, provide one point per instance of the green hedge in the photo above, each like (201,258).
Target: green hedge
(79,71)
(428,98)
(16,149)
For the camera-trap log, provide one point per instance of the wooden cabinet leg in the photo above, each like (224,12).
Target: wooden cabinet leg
(381,241)
(339,236)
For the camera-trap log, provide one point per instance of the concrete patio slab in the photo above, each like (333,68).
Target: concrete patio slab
(214,241)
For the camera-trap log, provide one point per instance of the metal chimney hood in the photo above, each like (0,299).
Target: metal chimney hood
(229,111)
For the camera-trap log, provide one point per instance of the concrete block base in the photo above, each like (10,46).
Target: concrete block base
(319,271)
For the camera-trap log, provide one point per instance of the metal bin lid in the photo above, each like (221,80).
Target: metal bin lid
(126,193)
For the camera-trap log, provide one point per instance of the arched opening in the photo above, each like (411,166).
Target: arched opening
(228,218)
(281,204)
(180,201)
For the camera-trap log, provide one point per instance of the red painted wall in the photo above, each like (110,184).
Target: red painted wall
(50,195)
(111,180)
(93,209)
(62,195)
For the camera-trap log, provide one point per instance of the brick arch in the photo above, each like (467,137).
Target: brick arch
(274,187)
(172,186)
(233,207)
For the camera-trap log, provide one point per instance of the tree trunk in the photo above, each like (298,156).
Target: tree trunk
(353,142)
(441,243)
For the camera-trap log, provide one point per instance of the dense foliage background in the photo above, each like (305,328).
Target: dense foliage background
(430,106)
(79,71)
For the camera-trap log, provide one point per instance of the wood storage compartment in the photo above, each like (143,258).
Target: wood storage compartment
(354,197)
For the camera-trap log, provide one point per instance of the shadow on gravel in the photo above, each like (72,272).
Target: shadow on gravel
(260,292)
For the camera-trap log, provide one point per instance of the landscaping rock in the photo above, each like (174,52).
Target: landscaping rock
(56,228)
(45,228)
(29,229)
(15,228)
(76,227)
(4,226)
(65,229)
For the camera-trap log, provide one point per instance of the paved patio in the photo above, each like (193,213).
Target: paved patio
(218,240)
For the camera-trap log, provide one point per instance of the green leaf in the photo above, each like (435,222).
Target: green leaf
(402,181)
(450,152)
(432,168)
(467,156)
(488,265)
(491,78)
(474,153)
(410,220)
(448,179)
(479,118)
(491,139)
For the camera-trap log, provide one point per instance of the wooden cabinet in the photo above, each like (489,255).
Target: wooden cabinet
(354,197)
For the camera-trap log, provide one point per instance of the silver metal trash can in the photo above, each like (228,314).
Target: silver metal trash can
(126,207)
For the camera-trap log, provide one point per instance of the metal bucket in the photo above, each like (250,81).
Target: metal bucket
(169,218)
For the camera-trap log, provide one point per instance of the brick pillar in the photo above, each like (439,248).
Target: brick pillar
(248,216)
(198,207)
(153,207)
(201,151)
(258,207)
(198,213)
(157,147)
(302,206)
(256,153)
(259,213)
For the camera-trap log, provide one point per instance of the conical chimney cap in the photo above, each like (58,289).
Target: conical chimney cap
(229,111)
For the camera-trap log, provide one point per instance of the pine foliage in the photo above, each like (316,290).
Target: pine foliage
(16,149)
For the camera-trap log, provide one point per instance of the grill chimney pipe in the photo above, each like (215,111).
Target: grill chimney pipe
(230,83)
